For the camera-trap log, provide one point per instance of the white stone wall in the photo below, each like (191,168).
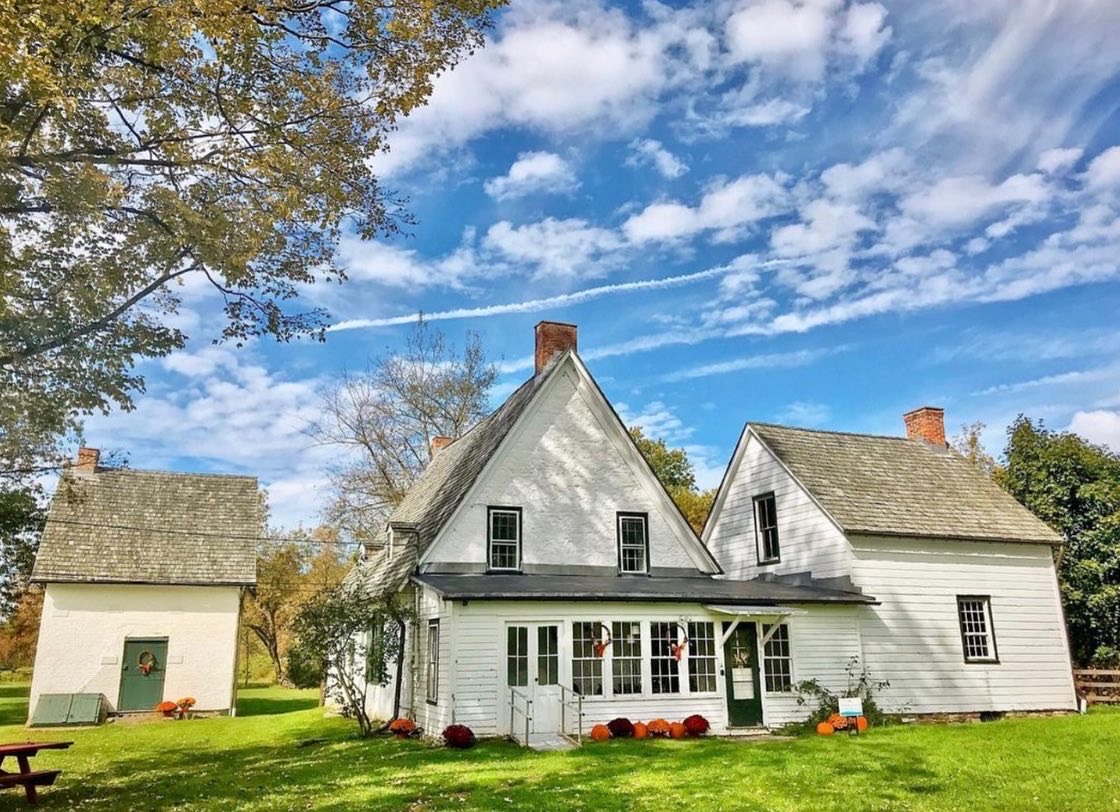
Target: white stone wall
(570,474)
(84,626)
(913,637)
(807,538)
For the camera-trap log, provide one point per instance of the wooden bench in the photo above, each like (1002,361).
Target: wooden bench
(29,781)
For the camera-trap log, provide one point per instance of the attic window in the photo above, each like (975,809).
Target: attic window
(504,539)
(975,615)
(633,543)
(766,528)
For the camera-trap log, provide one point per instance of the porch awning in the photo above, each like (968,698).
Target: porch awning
(755,611)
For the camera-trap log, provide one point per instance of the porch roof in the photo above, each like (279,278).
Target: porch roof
(510,587)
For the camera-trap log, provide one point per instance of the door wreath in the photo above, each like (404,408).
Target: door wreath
(146,662)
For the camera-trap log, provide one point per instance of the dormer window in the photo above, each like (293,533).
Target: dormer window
(766,528)
(503,553)
(633,543)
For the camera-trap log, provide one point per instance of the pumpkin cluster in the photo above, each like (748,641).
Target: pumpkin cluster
(695,725)
(837,722)
(458,736)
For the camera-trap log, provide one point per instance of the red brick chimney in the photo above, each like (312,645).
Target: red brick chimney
(553,338)
(87,460)
(926,423)
(439,443)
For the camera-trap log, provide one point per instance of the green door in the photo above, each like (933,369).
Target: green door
(142,687)
(740,668)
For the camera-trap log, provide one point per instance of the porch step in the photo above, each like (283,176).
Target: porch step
(550,742)
(747,732)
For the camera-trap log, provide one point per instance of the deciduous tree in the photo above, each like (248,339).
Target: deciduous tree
(155,151)
(673,467)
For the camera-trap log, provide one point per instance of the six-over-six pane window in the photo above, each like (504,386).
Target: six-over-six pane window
(633,543)
(504,538)
(975,615)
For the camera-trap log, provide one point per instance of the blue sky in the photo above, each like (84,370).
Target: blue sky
(822,213)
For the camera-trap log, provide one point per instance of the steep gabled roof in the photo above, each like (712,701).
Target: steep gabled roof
(876,485)
(152,527)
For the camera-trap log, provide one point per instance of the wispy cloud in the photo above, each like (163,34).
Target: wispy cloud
(1059,379)
(798,358)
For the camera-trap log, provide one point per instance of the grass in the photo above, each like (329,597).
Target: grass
(288,756)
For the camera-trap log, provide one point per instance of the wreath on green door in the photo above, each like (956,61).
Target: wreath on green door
(146,662)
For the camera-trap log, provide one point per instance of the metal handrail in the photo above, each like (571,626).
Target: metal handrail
(565,701)
(514,695)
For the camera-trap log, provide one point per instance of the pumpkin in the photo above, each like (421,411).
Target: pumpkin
(402,728)
(862,724)
(640,731)
(658,727)
(838,722)
(677,730)
(600,733)
(825,729)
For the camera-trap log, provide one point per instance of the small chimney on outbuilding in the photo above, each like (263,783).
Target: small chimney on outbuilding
(439,443)
(87,460)
(553,338)
(927,424)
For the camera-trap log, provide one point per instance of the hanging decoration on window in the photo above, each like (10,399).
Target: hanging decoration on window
(146,662)
(601,645)
(678,647)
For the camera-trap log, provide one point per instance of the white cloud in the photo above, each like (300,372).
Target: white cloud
(726,207)
(396,266)
(1104,170)
(650,151)
(1057,160)
(958,201)
(825,226)
(1101,427)
(798,358)
(533,172)
(656,420)
(768,113)
(805,413)
(883,172)
(570,248)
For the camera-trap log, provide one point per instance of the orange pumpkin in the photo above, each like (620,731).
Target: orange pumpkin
(838,722)
(825,729)
(677,730)
(862,724)
(640,730)
(658,727)
(600,733)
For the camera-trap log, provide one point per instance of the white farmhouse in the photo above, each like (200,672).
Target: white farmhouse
(143,574)
(968,616)
(553,575)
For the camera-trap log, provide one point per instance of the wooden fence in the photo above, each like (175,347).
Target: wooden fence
(1098,685)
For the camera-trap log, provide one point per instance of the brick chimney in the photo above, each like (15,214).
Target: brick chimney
(926,423)
(438,444)
(87,460)
(553,338)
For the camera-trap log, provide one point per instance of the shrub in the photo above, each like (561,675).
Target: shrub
(696,725)
(827,703)
(600,733)
(402,728)
(459,736)
(658,727)
(304,670)
(621,728)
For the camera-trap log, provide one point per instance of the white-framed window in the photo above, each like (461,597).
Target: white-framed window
(701,657)
(977,633)
(587,666)
(777,660)
(517,656)
(433,662)
(664,667)
(766,528)
(633,543)
(503,538)
(626,657)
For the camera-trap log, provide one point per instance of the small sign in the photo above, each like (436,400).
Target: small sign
(851,706)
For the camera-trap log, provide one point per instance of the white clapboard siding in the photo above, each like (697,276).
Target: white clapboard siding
(808,540)
(568,476)
(913,637)
(432,718)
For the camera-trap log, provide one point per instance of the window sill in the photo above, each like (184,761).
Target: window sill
(434,703)
(992,661)
(504,571)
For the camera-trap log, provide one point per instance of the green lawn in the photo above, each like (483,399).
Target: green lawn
(289,756)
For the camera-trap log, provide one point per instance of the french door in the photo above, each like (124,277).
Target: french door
(533,669)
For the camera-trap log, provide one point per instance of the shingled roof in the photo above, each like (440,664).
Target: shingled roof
(894,486)
(151,527)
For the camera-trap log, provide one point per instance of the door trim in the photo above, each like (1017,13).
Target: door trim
(750,629)
(120,672)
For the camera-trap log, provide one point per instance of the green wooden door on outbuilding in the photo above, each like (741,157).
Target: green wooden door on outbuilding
(140,690)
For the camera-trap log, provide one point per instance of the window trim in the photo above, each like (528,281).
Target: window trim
(758,543)
(631,514)
(432,675)
(764,670)
(490,510)
(993,657)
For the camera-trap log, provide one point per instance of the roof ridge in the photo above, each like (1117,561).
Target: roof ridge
(868,435)
(106,469)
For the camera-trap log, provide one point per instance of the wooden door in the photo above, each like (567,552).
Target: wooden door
(142,673)
(740,665)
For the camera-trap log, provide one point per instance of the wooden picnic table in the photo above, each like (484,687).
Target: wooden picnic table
(26,777)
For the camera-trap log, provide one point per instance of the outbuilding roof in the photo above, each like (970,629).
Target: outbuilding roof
(621,588)
(879,485)
(152,527)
